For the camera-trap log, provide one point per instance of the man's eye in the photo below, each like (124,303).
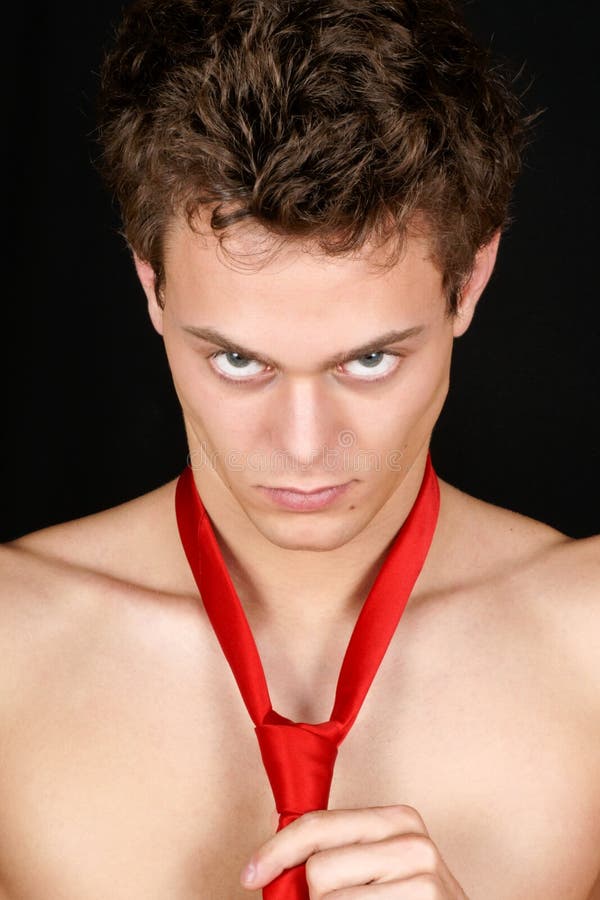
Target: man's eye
(369,367)
(234,366)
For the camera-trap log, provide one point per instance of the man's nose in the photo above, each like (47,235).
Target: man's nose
(306,422)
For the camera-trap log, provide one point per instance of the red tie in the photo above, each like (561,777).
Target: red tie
(298,756)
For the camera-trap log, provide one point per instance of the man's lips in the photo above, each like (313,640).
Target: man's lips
(295,490)
(292,498)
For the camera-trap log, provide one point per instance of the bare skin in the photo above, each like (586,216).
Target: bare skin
(129,764)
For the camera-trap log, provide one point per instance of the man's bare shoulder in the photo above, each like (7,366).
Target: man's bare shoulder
(532,567)
(519,549)
(67,586)
(492,536)
(135,543)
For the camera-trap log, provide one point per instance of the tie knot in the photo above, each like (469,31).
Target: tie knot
(299,764)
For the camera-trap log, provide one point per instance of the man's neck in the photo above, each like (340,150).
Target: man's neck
(295,587)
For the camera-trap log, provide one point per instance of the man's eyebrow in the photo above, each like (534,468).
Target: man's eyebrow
(376,343)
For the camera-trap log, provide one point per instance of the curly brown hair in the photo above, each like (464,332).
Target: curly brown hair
(334,121)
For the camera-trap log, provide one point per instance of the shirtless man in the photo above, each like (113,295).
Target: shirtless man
(130,770)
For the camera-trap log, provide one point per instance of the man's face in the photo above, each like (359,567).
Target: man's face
(300,420)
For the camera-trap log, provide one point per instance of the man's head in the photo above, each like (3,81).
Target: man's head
(265,403)
(306,178)
(338,121)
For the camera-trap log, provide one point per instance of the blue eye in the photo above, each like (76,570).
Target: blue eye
(374,357)
(234,367)
(239,365)
(373,365)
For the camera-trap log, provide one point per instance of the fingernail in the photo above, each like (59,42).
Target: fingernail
(249,874)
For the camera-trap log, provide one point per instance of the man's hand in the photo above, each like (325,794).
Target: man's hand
(349,848)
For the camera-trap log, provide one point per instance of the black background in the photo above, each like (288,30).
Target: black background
(90,415)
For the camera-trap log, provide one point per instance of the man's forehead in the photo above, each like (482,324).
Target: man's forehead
(248,246)
(299,312)
(298,301)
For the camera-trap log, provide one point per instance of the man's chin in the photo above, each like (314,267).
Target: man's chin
(308,531)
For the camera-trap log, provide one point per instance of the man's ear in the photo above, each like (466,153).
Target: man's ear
(475,285)
(148,280)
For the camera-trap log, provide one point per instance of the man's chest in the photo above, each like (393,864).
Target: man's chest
(133,779)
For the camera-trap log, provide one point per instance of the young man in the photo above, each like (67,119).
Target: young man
(314,195)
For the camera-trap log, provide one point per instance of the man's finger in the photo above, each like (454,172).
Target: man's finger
(324,829)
